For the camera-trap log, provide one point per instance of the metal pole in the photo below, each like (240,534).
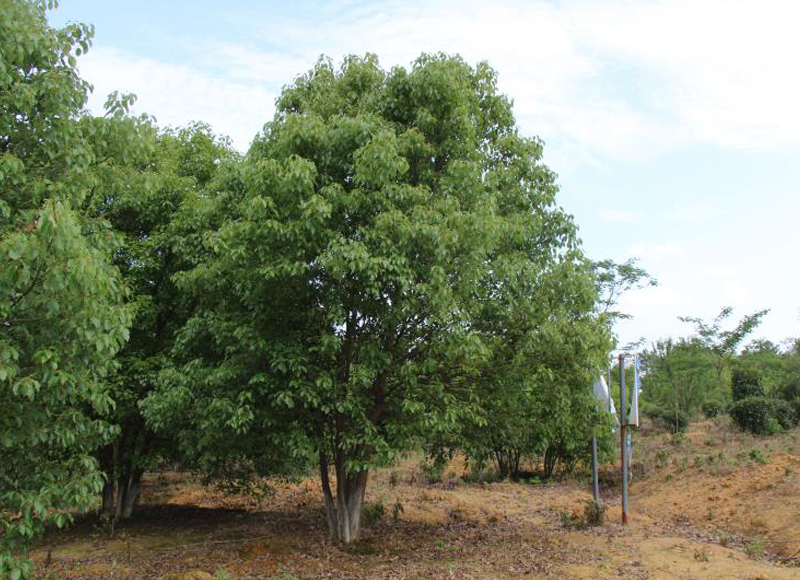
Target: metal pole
(595,482)
(623,428)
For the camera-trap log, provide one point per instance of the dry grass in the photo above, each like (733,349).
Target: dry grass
(699,503)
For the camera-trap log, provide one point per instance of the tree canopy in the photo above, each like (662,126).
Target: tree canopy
(373,225)
(62,317)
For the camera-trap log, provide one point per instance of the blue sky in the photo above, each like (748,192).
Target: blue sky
(674,126)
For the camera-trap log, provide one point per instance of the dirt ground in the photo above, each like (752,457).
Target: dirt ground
(713,504)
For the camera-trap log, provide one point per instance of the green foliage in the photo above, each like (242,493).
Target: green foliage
(755,549)
(746,383)
(141,199)
(785,413)
(758,456)
(754,414)
(675,421)
(613,280)
(680,376)
(61,314)
(594,513)
(355,252)
(712,409)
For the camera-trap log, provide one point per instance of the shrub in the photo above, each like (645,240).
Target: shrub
(666,418)
(433,470)
(745,384)
(594,512)
(757,456)
(796,407)
(754,414)
(373,513)
(785,413)
(712,408)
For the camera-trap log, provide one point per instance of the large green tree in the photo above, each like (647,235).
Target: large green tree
(338,297)
(61,314)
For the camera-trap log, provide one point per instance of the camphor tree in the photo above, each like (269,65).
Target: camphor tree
(61,314)
(538,318)
(337,300)
(143,196)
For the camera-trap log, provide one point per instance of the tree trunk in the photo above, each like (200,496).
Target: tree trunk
(120,497)
(343,509)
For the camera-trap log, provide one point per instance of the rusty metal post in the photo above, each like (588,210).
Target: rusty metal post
(623,428)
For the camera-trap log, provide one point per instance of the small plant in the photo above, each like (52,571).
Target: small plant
(572,521)
(712,409)
(757,456)
(222,574)
(397,511)
(669,477)
(755,549)
(373,513)
(433,470)
(662,456)
(725,540)
(282,574)
(594,513)
(701,555)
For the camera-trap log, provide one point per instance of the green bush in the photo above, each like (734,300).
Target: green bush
(754,414)
(745,384)
(666,418)
(785,413)
(712,408)
(796,407)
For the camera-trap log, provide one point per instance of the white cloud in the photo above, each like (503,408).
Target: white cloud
(610,79)
(179,94)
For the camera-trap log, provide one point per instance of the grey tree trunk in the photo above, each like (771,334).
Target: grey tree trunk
(343,509)
(122,496)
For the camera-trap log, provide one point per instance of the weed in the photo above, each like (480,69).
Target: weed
(397,510)
(757,456)
(433,470)
(373,513)
(755,549)
(222,574)
(572,521)
(662,455)
(282,574)
(725,539)
(594,513)
(394,478)
(701,555)
(669,477)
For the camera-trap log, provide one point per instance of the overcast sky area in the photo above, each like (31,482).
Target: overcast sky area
(674,127)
